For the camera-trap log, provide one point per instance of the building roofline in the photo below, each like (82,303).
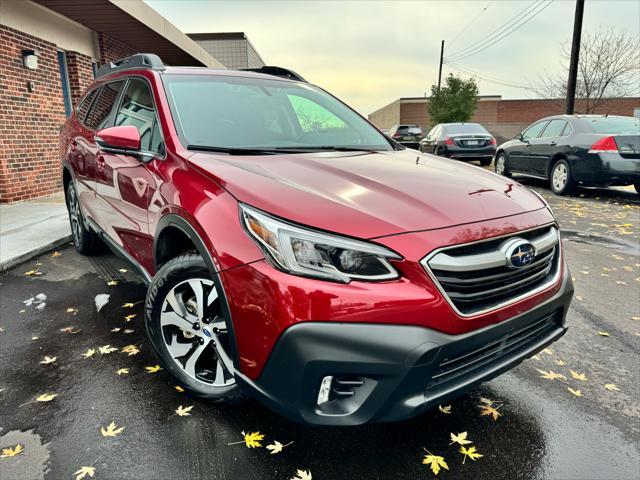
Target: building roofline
(224,36)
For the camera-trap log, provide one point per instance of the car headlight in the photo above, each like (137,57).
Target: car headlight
(310,253)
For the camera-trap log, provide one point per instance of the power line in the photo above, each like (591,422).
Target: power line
(515,28)
(504,31)
(488,78)
(473,20)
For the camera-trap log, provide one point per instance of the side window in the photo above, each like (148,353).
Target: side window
(554,128)
(313,117)
(85,105)
(102,107)
(137,109)
(534,130)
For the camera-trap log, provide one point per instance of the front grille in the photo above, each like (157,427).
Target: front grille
(511,344)
(475,278)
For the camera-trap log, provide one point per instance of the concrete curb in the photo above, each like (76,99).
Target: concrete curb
(14,262)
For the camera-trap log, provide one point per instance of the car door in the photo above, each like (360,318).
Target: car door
(520,153)
(124,184)
(546,146)
(97,117)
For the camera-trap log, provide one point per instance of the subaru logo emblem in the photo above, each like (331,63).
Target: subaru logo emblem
(520,254)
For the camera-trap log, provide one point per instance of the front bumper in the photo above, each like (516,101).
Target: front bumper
(405,370)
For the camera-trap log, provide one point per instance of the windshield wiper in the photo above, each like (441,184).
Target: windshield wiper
(324,148)
(233,150)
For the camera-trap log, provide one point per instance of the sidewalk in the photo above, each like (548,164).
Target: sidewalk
(32,227)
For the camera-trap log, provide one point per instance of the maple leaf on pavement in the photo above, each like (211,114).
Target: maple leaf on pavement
(122,371)
(603,334)
(89,353)
(486,401)
(302,475)
(153,369)
(47,360)
(551,375)
(112,430)
(128,318)
(490,411)
(252,440)
(83,472)
(578,376)
(45,397)
(179,388)
(11,451)
(559,362)
(183,411)
(115,330)
(107,349)
(70,330)
(276,447)
(435,462)
(130,350)
(577,393)
(130,304)
(471,453)
(56,254)
(446,409)
(460,439)
(612,387)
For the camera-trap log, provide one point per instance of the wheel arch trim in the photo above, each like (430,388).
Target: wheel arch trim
(172,220)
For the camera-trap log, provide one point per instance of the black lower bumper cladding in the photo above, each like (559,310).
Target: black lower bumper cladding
(396,371)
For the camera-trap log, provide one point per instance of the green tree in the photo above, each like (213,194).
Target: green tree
(454,102)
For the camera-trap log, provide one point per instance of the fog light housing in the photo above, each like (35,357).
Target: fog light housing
(325,390)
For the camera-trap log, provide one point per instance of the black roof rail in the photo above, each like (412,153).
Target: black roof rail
(277,71)
(139,60)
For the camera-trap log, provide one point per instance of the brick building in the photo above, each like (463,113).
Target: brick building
(232,49)
(49,52)
(503,118)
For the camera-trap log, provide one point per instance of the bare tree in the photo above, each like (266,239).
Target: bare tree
(609,66)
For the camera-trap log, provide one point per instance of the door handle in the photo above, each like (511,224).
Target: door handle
(553,144)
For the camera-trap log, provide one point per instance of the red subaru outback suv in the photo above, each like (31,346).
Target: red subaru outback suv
(296,254)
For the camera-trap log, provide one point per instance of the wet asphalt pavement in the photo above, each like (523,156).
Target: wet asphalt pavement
(545,431)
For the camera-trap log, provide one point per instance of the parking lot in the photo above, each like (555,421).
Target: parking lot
(583,424)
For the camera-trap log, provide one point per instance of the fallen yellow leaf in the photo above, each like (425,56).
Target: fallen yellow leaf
(84,471)
(183,411)
(179,388)
(470,452)
(89,353)
(12,451)
(153,369)
(122,371)
(435,462)
(302,475)
(70,330)
(130,350)
(603,334)
(460,439)
(47,360)
(276,447)
(107,349)
(490,411)
(128,318)
(446,409)
(578,376)
(577,393)
(112,430)
(56,254)
(612,387)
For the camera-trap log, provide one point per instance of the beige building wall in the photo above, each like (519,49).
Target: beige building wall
(386,117)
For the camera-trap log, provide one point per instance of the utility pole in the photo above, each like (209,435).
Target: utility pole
(575,55)
(441,58)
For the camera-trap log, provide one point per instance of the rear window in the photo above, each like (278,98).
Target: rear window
(613,125)
(410,130)
(465,128)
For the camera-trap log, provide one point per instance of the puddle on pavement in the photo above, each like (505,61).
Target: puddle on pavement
(614,243)
(33,466)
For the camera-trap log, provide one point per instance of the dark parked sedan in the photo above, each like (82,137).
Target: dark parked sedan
(407,135)
(462,141)
(573,150)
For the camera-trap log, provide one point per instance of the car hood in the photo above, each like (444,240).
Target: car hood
(368,195)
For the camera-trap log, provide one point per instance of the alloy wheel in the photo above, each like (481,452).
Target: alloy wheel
(500,165)
(195,333)
(559,177)
(74,216)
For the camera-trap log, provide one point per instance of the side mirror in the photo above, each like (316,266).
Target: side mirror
(519,136)
(124,139)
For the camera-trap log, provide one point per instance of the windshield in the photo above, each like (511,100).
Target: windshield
(465,128)
(254,113)
(613,125)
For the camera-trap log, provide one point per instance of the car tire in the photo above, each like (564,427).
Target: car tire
(485,162)
(85,240)
(182,292)
(560,179)
(501,166)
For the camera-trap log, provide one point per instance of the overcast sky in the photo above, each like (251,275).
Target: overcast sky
(369,53)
